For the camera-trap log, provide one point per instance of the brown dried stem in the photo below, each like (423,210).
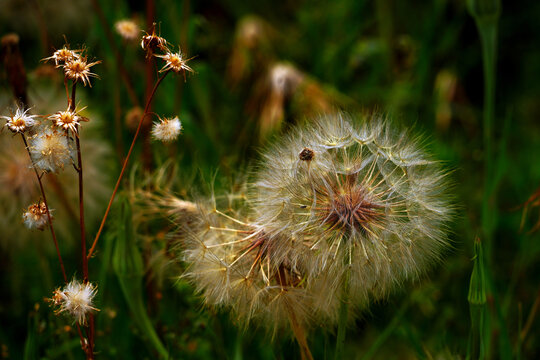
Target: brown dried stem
(124,166)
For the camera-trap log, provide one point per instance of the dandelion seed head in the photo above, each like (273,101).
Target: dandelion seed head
(75,299)
(35,217)
(167,130)
(20,121)
(50,150)
(369,199)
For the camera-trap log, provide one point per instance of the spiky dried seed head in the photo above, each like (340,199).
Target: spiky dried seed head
(175,62)
(68,119)
(35,217)
(20,121)
(63,55)
(78,70)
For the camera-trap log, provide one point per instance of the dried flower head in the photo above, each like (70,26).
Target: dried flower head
(50,150)
(152,42)
(167,130)
(67,120)
(76,300)
(35,217)
(78,69)
(64,55)
(369,204)
(175,62)
(128,29)
(20,121)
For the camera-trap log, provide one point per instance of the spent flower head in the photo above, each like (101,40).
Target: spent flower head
(35,217)
(20,121)
(127,29)
(175,62)
(68,120)
(152,42)
(63,55)
(75,299)
(167,130)
(78,69)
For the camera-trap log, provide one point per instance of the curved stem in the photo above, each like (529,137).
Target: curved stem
(124,166)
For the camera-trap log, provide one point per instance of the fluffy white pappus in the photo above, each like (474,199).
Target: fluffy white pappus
(167,130)
(35,217)
(232,264)
(75,299)
(51,150)
(128,29)
(363,199)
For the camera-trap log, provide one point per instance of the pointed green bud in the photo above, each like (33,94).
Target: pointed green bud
(478,284)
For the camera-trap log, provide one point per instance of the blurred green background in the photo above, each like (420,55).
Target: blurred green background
(260,67)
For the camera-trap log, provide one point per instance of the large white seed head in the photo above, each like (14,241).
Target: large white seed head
(358,197)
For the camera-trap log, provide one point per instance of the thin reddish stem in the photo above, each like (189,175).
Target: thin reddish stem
(88,348)
(124,166)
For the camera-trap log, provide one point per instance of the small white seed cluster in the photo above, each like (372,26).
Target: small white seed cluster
(75,299)
(340,210)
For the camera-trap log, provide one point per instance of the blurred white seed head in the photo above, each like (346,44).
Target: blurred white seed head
(35,217)
(167,130)
(359,196)
(20,121)
(50,150)
(127,29)
(75,299)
